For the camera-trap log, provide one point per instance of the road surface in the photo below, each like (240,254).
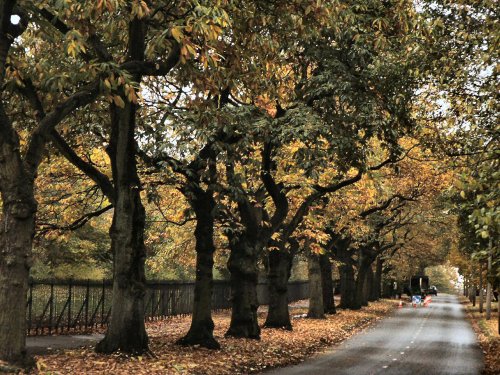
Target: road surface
(424,340)
(47,344)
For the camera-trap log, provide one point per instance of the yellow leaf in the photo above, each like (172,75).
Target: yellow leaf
(118,101)
(176,33)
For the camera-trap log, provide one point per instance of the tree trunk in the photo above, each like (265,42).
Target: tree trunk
(17,223)
(243,267)
(17,227)
(489,289)
(327,284)
(126,330)
(201,331)
(367,286)
(481,287)
(361,281)
(316,308)
(376,289)
(347,286)
(359,289)
(371,294)
(279,265)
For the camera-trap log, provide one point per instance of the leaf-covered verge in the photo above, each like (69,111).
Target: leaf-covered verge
(277,348)
(487,335)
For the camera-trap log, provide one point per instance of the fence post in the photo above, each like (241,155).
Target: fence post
(51,305)
(70,295)
(87,297)
(103,301)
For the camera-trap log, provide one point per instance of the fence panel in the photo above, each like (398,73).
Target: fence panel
(56,306)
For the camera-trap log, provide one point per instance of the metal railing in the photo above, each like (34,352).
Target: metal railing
(75,305)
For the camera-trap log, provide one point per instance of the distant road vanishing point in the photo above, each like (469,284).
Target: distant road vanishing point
(430,340)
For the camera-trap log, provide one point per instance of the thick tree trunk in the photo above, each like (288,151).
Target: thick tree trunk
(376,290)
(16,238)
(347,286)
(201,331)
(316,308)
(126,331)
(17,223)
(360,288)
(372,291)
(243,267)
(279,266)
(327,284)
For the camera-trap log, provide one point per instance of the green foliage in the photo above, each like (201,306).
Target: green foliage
(444,277)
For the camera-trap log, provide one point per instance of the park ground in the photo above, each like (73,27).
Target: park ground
(487,335)
(277,348)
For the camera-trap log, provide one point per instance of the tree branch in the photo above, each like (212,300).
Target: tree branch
(78,223)
(93,40)
(97,176)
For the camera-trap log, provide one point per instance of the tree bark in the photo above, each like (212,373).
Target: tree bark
(327,284)
(279,265)
(359,289)
(242,264)
(17,227)
(17,223)
(489,288)
(316,307)
(361,282)
(347,286)
(371,286)
(376,290)
(126,331)
(202,325)
(481,287)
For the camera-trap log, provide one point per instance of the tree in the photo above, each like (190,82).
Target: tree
(18,170)
(139,50)
(467,124)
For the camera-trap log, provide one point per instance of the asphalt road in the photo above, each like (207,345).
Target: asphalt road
(424,340)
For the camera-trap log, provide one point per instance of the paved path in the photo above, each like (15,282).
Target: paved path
(46,344)
(424,340)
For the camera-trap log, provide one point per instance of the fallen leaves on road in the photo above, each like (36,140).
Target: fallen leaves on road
(237,356)
(487,334)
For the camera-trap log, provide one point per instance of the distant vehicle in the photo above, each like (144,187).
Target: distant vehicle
(432,290)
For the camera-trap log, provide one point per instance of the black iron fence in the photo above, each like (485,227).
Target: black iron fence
(71,305)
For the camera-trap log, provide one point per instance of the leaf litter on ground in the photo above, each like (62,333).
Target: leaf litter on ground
(277,347)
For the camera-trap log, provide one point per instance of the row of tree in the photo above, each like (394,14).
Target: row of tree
(280,128)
